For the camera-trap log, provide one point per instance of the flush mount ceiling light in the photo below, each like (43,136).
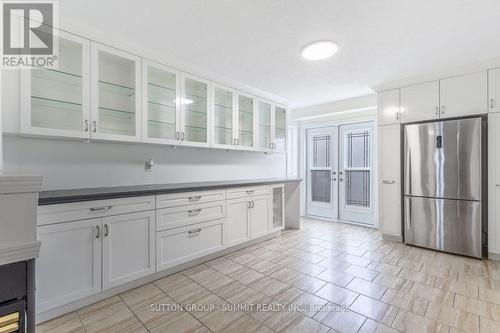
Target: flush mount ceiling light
(319,50)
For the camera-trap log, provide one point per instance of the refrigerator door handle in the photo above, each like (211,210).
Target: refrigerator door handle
(408,213)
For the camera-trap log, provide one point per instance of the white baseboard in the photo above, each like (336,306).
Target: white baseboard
(393,238)
(493,256)
(64,309)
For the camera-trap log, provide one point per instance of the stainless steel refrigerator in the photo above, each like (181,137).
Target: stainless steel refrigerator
(444,197)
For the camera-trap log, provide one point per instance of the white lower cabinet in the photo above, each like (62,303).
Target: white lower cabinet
(260,216)
(180,245)
(69,265)
(238,221)
(278,207)
(128,250)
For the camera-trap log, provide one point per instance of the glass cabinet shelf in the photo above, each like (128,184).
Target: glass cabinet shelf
(118,113)
(43,73)
(117,89)
(56,104)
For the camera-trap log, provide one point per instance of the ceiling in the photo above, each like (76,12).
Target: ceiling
(258,42)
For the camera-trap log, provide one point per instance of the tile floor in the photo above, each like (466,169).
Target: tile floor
(327,277)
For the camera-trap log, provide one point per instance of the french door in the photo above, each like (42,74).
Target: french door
(355,173)
(339,172)
(322,162)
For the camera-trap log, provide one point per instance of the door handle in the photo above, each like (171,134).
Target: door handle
(253,204)
(249,204)
(437,111)
(100,209)
(106,230)
(95,126)
(250,191)
(492,103)
(182,136)
(237,141)
(389,181)
(86,125)
(193,212)
(97,231)
(177,135)
(442,109)
(194,232)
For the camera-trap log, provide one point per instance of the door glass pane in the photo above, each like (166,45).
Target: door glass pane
(245,121)
(56,95)
(280,127)
(195,110)
(321,186)
(264,115)
(277,207)
(116,95)
(162,120)
(321,151)
(357,191)
(358,149)
(223,116)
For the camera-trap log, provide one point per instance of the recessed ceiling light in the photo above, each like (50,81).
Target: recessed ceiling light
(319,50)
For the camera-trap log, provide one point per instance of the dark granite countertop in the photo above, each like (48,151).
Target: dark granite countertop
(100,193)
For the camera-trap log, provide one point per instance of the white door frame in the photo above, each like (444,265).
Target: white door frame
(354,213)
(317,208)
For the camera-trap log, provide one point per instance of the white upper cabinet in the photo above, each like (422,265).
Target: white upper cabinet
(224,134)
(56,102)
(264,126)
(246,122)
(279,129)
(195,111)
(464,95)
(494,90)
(160,110)
(116,98)
(388,107)
(420,102)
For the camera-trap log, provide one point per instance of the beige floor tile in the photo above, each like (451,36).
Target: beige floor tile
(180,289)
(304,324)
(277,320)
(247,276)
(396,283)
(453,317)
(376,310)
(337,295)
(361,272)
(409,322)
(162,312)
(284,274)
(384,268)
(489,295)
(423,278)
(300,301)
(229,321)
(481,308)
(248,300)
(457,287)
(200,272)
(355,260)
(307,283)
(216,282)
(69,323)
(243,259)
(144,294)
(435,295)
(111,315)
(371,326)
(489,326)
(265,267)
(226,291)
(367,288)
(183,323)
(228,267)
(403,300)
(271,287)
(344,321)
(337,277)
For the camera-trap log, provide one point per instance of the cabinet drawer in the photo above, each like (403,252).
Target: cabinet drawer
(91,209)
(188,198)
(180,245)
(168,218)
(243,192)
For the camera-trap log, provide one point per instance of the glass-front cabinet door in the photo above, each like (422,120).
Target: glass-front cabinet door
(279,129)
(223,119)
(264,116)
(160,107)
(116,98)
(195,111)
(56,101)
(246,122)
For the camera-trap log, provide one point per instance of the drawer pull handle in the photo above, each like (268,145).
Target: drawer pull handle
(193,212)
(389,181)
(194,231)
(250,191)
(106,230)
(100,209)
(195,198)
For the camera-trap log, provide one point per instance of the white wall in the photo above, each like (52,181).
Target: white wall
(70,164)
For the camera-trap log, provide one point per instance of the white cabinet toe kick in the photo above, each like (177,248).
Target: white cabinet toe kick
(95,249)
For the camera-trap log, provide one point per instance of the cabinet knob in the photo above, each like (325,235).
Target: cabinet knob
(437,111)
(442,109)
